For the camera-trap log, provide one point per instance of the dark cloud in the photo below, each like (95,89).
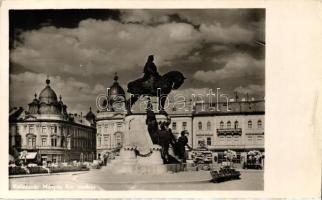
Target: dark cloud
(212,47)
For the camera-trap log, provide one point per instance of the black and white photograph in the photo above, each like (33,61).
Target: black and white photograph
(137,99)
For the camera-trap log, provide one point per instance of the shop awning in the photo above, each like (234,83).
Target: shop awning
(29,155)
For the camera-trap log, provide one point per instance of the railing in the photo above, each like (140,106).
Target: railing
(52,147)
(229,131)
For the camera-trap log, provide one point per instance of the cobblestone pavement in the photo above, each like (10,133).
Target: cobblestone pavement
(101,180)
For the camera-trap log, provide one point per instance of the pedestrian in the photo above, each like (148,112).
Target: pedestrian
(182,143)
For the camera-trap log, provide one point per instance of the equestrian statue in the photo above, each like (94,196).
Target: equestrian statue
(149,84)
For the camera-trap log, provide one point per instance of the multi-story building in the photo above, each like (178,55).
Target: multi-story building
(47,132)
(237,125)
(110,121)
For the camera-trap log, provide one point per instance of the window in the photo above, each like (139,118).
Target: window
(29,141)
(174,126)
(184,125)
(259,124)
(236,138)
(31,129)
(222,138)
(106,128)
(119,126)
(43,142)
(119,140)
(62,143)
(200,125)
(99,129)
(43,129)
(259,138)
(229,138)
(250,139)
(208,126)
(54,141)
(99,141)
(52,130)
(209,141)
(55,129)
(228,124)
(236,124)
(106,140)
(221,124)
(250,124)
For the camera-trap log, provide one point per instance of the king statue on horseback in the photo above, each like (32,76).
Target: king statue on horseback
(151,82)
(150,69)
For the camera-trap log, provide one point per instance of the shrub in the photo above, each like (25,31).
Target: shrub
(16,170)
(37,170)
(67,169)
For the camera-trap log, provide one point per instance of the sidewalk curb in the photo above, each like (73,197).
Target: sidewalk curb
(47,174)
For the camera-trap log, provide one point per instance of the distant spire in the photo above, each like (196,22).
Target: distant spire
(90,108)
(116,77)
(60,97)
(35,95)
(47,80)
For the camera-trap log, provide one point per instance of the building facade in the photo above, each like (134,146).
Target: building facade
(48,132)
(110,121)
(235,125)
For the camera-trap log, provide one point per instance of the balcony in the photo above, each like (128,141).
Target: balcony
(51,147)
(229,131)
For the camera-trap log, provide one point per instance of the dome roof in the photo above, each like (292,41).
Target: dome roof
(90,114)
(116,89)
(47,95)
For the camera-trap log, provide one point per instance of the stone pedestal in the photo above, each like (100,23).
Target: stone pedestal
(137,138)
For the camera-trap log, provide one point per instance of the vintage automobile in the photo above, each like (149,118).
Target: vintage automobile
(225,173)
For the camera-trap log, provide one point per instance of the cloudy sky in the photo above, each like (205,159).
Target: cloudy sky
(81,50)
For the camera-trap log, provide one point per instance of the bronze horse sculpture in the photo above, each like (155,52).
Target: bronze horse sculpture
(164,84)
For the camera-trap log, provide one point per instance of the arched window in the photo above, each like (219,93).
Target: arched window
(236,124)
(250,124)
(221,124)
(259,124)
(208,126)
(228,124)
(200,125)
